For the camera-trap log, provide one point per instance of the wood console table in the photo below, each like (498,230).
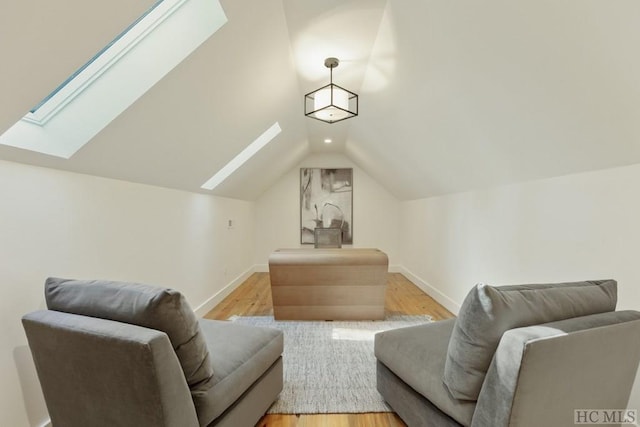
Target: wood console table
(328,284)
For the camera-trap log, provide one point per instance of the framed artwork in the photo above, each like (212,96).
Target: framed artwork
(326,201)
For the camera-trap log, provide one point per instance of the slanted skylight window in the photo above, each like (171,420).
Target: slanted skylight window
(116,77)
(242,157)
(92,69)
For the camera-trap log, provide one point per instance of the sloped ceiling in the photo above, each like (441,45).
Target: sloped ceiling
(454,96)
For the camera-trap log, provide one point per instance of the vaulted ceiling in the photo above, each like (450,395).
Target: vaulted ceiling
(454,95)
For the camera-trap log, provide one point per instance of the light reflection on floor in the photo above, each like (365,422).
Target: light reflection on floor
(353,334)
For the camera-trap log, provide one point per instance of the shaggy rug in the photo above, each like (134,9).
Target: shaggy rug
(329,367)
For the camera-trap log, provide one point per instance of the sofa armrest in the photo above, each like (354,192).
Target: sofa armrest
(540,374)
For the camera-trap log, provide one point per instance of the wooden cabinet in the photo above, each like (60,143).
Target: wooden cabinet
(328,284)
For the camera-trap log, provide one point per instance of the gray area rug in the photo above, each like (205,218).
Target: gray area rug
(329,367)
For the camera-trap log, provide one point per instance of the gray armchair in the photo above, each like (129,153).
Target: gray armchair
(122,354)
(528,355)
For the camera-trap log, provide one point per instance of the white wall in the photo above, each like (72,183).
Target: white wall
(55,223)
(277,212)
(577,227)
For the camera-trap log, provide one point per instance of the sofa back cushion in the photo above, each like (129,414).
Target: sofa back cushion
(487,312)
(157,308)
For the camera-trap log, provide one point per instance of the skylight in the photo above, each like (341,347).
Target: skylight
(242,157)
(116,77)
(75,81)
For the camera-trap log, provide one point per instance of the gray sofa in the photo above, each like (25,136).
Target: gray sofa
(527,355)
(124,354)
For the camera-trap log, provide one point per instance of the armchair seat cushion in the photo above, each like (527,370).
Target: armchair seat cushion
(417,355)
(239,355)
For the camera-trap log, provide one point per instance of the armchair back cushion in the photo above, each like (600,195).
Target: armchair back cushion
(152,307)
(487,312)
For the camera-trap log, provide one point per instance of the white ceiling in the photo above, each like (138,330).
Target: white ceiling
(454,95)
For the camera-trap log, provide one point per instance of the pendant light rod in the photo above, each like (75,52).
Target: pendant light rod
(331,63)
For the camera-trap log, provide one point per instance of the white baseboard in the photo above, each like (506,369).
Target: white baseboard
(434,293)
(214,300)
(46,424)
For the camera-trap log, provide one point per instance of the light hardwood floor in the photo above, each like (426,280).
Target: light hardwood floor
(253,298)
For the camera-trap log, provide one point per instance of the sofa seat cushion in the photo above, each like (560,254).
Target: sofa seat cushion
(487,312)
(153,307)
(240,354)
(417,355)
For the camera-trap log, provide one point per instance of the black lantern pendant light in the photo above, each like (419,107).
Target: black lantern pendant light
(331,103)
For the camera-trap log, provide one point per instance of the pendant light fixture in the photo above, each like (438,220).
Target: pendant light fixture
(331,103)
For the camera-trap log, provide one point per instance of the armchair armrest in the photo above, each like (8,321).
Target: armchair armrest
(540,374)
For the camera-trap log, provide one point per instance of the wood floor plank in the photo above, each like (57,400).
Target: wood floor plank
(253,298)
